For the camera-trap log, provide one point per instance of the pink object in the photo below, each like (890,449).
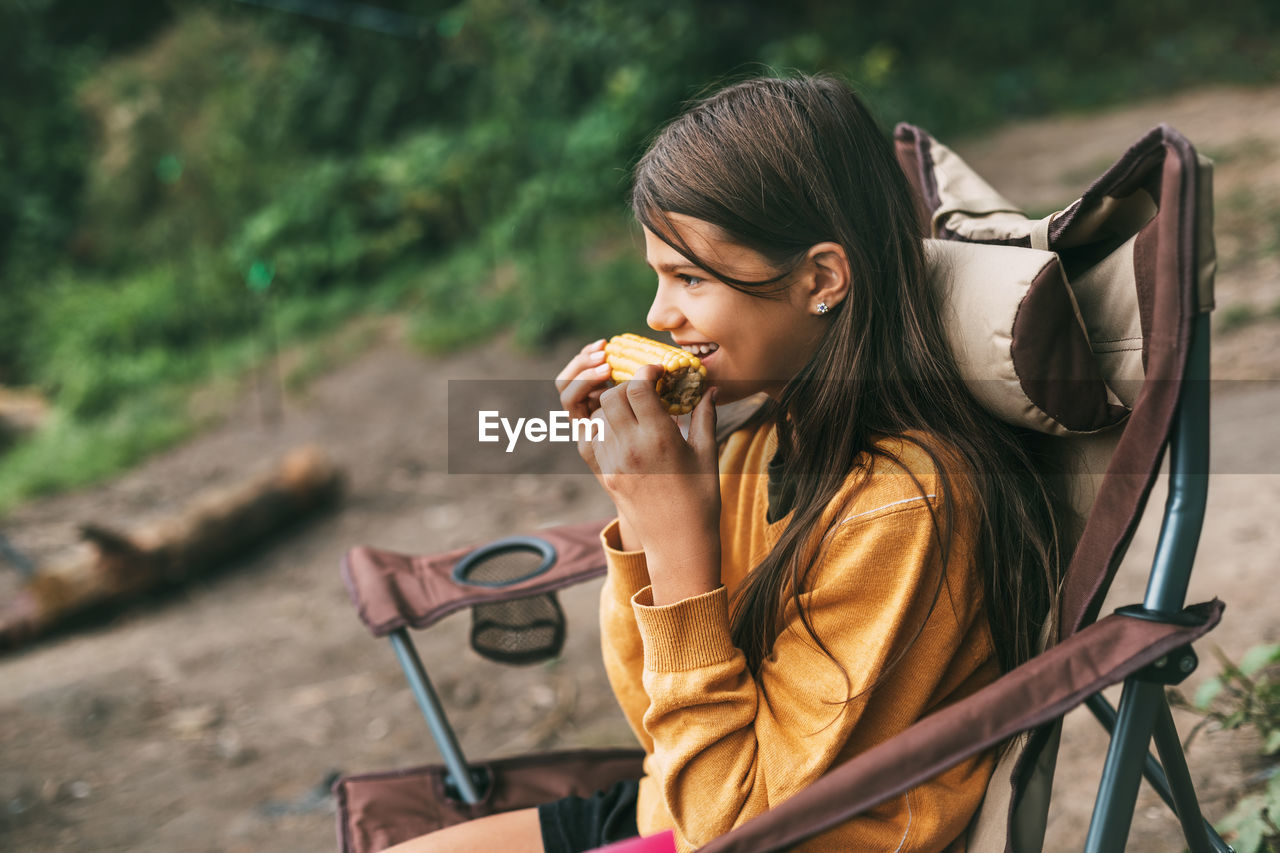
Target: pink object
(664,842)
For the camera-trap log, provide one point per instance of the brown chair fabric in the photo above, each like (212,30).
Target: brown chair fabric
(1143,223)
(1159,177)
(378,810)
(1163,165)
(393,591)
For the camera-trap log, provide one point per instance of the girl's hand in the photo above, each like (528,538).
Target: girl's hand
(667,487)
(580,384)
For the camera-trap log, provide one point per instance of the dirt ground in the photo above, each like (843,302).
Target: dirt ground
(212,719)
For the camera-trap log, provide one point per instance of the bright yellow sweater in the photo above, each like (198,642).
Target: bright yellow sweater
(723,745)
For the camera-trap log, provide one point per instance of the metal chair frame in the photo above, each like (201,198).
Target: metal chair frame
(1143,712)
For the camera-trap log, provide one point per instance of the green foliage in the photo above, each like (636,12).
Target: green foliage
(114,356)
(1241,314)
(340,220)
(587,291)
(1252,825)
(183,155)
(42,152)
(119,356)
(960,67)
(1236,316)
(1246,694)
(185,181)
(68,453)
(100,342)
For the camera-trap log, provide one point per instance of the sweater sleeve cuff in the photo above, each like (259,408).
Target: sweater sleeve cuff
(629,569)
(685,635)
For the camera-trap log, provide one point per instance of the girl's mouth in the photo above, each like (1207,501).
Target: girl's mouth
(700,350)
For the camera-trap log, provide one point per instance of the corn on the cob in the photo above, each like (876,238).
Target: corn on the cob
(683,377)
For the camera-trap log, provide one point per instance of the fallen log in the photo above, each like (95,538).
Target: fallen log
(113,567)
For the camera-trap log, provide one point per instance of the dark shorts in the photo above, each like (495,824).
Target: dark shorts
(576,824)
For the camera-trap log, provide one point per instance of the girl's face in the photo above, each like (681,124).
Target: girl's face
(747,343)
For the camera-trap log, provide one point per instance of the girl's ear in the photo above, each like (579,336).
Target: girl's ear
(829,276)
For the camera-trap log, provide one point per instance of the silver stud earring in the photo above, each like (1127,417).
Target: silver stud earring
(822,308)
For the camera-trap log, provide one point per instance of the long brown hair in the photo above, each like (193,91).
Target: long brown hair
(780,165)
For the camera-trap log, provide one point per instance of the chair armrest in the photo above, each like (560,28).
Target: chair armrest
(393,591)
(377,810)
(1041,690)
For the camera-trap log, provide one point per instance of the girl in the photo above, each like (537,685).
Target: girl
(870,547)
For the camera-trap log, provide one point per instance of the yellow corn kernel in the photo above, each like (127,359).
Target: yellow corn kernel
(683,378)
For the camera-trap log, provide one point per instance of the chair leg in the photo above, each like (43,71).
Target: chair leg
(1118,790)
(1200,836)
(431,708)
(1155,774)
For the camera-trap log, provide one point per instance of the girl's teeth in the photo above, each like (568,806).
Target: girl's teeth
(701,349)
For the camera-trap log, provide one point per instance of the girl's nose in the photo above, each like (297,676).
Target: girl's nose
(663,315)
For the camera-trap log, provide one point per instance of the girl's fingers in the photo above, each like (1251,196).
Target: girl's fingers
(595,453)
(580,395)
(591,356)
(586,372)
(643,396)
(581,385)
(579,366)
(587,450)
(616,408)
(702,428)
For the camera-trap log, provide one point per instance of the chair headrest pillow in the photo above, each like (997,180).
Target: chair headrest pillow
(1018,339)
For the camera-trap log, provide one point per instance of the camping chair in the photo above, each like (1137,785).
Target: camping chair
(1089,326)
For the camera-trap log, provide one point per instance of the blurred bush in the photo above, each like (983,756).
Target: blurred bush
(1246,695)
(181,178)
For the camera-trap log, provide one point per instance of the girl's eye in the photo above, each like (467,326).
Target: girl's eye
(689,280)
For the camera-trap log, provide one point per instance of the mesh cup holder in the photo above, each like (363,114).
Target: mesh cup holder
(520,630)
